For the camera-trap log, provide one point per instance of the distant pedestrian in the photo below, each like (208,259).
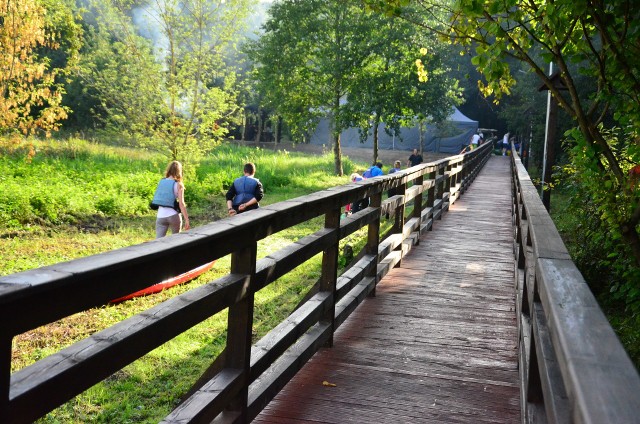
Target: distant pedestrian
(169,199)
(475,140)
(245,192)
(505,144)
(414,159)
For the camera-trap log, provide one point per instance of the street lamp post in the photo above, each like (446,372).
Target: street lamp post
(550,136)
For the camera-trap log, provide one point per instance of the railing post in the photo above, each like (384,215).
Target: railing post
(5,376)
(398,223)
(373,238)
(447,182)
(458,179)
(240,326)
(431,195)
(464,173)
(440,190)
(473,166)
(417,206)
(329,277)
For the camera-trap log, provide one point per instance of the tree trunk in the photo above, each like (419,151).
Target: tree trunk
(260,124)
(244,126)
(376,125)
(421,130)
(335,133)
(337,154)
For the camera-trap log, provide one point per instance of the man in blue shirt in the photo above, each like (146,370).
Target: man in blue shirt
(245,192)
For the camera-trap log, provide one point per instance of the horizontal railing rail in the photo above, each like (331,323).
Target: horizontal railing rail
(572,366)
(251,375)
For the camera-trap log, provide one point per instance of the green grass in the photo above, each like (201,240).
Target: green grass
(73,198)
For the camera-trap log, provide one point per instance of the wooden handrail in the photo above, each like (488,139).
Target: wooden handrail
(573,368)
(251,375)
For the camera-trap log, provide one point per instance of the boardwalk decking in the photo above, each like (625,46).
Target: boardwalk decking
(438,342)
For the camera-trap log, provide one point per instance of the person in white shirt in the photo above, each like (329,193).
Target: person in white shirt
(475,139)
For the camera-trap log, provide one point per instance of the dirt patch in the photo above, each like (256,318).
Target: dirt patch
(94,224)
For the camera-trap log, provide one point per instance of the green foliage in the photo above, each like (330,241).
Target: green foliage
(602,208)
(309,58)
(606,264)
(118,79)
(579,38)
(175,89)
(38,40)
(403,80)
(52,186)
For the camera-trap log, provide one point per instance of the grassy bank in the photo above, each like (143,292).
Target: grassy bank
(63,200)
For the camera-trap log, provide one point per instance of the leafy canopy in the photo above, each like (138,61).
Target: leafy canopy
(30,94)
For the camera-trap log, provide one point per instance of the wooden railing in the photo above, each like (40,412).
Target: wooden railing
(251,375)
(572,366)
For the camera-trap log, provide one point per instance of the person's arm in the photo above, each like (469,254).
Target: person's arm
(231,193)
(183,207)
(258,193)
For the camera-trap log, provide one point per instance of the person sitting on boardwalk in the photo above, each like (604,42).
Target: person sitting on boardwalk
(245,192)
(169,199)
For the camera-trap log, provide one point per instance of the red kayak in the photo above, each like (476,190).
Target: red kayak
(178,279)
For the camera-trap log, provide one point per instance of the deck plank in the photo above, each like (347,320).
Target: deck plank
(438,343)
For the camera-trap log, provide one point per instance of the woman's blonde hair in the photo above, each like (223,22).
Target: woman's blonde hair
(174,170)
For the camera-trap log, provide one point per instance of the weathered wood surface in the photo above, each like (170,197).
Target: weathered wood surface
(438,343)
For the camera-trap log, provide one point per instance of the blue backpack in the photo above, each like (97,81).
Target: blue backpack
(368,173)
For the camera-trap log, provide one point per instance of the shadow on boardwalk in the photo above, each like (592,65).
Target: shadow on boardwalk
(438,342)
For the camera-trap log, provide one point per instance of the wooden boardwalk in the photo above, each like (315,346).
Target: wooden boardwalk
(438,342)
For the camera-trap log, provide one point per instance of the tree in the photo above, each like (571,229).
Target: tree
(403,81)
(582,38)
(307,62)
(30,95)
(118,80)
(179,89)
